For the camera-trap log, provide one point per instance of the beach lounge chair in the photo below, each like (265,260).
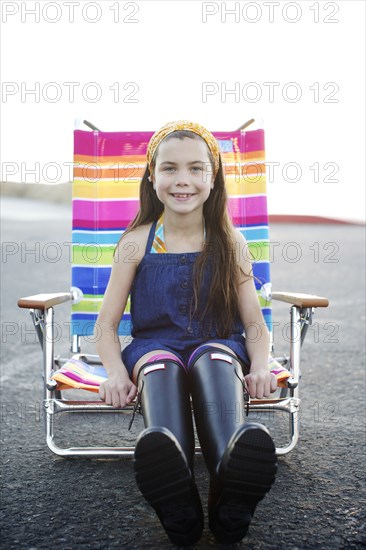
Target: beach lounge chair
(107,169)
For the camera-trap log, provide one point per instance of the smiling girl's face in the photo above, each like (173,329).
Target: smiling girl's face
(183,174)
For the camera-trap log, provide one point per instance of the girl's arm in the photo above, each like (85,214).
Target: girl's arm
(259,380)
(118,390)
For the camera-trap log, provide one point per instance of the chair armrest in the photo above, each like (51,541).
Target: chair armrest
(301,300)
(44,301)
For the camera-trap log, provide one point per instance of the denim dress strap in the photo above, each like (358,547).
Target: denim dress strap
(150,240)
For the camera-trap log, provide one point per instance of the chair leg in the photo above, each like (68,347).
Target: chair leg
(240,456)
(164,451)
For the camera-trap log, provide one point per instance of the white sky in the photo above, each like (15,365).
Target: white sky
(169,54)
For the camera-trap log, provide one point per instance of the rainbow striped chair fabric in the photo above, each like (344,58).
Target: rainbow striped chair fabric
(108,167)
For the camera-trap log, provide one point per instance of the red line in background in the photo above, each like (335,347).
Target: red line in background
(290,218)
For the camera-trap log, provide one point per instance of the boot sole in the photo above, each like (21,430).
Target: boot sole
(247,474)
(165,481)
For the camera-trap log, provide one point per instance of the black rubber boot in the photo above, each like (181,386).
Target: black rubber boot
(241,457)
(164,451)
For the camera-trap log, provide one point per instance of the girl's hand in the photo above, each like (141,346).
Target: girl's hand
(118,390)
(261,383)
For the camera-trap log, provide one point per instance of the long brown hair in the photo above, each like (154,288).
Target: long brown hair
(218,250)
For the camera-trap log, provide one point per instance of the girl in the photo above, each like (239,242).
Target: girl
(192,297)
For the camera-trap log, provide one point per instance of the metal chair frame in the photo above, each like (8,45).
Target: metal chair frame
(42,312)
(54,404)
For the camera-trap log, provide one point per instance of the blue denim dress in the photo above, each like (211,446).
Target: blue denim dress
(160,301)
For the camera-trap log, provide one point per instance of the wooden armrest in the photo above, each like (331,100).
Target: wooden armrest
(301,300)
(44,301)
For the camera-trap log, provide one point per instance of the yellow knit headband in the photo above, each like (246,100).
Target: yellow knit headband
(170,127)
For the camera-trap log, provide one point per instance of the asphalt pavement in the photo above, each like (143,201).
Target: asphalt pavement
(318,499)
